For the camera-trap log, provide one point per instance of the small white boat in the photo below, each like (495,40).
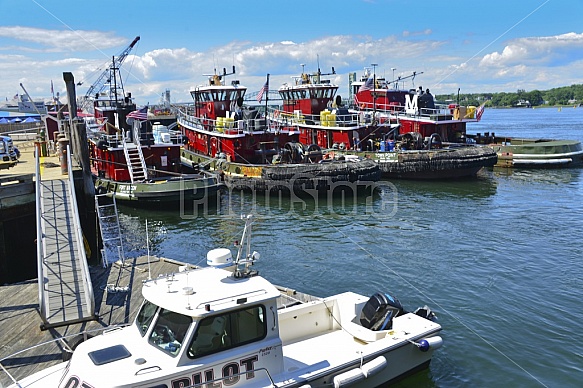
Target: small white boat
(225,324)
(534,153)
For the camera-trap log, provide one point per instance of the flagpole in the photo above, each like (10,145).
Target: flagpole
(266,97)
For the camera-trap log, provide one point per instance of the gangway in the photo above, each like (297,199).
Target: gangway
(65,289)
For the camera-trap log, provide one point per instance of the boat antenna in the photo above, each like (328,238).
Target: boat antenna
(148,250)
(249,258)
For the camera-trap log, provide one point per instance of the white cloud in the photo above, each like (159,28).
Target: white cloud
(61,40)
(425,32)
(542,51)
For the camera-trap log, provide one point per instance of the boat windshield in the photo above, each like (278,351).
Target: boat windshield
(145,316)
(169,331)
(221,332)
(322,93)
(293,94)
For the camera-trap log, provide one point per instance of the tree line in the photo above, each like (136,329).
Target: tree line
(566,95)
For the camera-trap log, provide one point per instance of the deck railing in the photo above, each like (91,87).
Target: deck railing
(39,234)
(330,117)
(224,125)
(439,112)
(87,285)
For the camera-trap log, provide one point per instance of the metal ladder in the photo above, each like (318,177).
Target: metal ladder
(110,229)
(135,160)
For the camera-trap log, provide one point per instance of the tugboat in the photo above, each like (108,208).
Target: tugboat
(412,136)
(127,163)
(250,154)
(225,324)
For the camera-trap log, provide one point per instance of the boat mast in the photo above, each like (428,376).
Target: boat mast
(266,94)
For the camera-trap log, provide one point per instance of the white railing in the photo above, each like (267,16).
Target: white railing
(126,153)
(138,148)
(24,134)
(222,125)
(398,110)
(39,238)
(331,117)
(88,286)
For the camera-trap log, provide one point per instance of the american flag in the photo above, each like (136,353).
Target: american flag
(480,112)
(140,114)
(368,85)
(263,90)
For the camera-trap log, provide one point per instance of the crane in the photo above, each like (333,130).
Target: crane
(98,86)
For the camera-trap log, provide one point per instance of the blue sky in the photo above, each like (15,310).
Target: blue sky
(480,46)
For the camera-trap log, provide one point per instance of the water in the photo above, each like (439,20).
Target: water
(497,257)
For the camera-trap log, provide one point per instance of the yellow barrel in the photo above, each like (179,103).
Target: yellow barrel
(220,123)
(324,117)
(332,120)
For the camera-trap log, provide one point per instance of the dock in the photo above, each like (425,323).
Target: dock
(118,296)
(67,297)
(50,164)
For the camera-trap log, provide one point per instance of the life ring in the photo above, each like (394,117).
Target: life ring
(209,107)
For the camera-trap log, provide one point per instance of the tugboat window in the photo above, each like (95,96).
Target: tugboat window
(145,316)
(222,332)
(169,331)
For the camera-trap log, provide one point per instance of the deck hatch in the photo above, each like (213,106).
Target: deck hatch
(107,355)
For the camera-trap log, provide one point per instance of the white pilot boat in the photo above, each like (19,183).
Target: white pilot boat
(225,324)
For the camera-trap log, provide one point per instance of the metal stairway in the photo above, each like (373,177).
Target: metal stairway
(110,230)
(135,162)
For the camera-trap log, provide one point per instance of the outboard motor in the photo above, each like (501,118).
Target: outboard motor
(379,311)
